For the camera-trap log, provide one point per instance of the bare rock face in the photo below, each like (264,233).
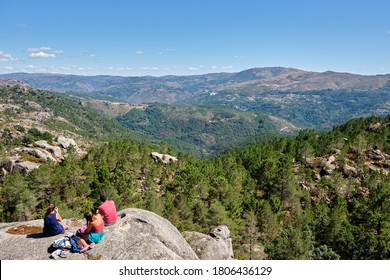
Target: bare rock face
(143,235)
(350,170)
(56,151)
(40,154)
(15,164)
(24,167)
(315,176)
(165,158)
(329,165)
(66,142)
(374,127)
(33,105)
(14,83)
(41,151)
(137,235)
(215,246)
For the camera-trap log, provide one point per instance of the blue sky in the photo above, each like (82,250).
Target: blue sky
(150,37)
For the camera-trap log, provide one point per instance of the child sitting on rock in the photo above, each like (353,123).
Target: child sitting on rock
(94,232)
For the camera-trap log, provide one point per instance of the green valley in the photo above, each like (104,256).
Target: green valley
(202,130)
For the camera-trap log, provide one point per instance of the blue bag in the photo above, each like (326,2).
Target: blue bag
(76,244)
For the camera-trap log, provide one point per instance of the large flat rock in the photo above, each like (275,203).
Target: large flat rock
(137,235)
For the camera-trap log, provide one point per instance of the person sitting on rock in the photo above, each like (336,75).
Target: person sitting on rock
(52,222)
(107,210)
(94,232)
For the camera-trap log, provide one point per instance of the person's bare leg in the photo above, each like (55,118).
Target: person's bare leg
(83,242)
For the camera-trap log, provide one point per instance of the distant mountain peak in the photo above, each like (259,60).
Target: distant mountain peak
(263,73)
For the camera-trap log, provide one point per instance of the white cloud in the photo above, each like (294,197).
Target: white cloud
(43,52)
(139,52)
(150,68)
(32,50)
(124,69)
(6,57)
(42,55)
(56,69)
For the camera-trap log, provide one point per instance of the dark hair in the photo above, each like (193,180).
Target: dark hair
(50,209)
(88,215)
(103,197)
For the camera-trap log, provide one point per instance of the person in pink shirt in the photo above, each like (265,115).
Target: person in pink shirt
(108,210)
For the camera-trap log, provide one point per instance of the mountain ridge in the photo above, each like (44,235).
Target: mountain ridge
(307,99)
(268,79)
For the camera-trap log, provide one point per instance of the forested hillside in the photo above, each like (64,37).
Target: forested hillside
(319,109)
(202,131)
(64,114)
(314,196)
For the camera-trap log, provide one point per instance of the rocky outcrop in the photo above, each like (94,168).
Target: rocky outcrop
(165,158)
(374,127)
(215,246)
(15,164)
(41,151)
(24,167)
(66,142)
(349,172)
(137,235)
(32,105)
(55,150)
(377,126)
(14,83)
(328,165)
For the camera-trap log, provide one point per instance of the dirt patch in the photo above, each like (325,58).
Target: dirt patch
(24,230)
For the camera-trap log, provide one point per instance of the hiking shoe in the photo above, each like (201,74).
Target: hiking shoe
(85,248)
(64,253)
(55,254)
(88,247)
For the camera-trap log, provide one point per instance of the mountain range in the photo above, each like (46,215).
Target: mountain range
(304,98)
(174,89)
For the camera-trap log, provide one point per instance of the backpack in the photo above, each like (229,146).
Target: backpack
(76,244)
